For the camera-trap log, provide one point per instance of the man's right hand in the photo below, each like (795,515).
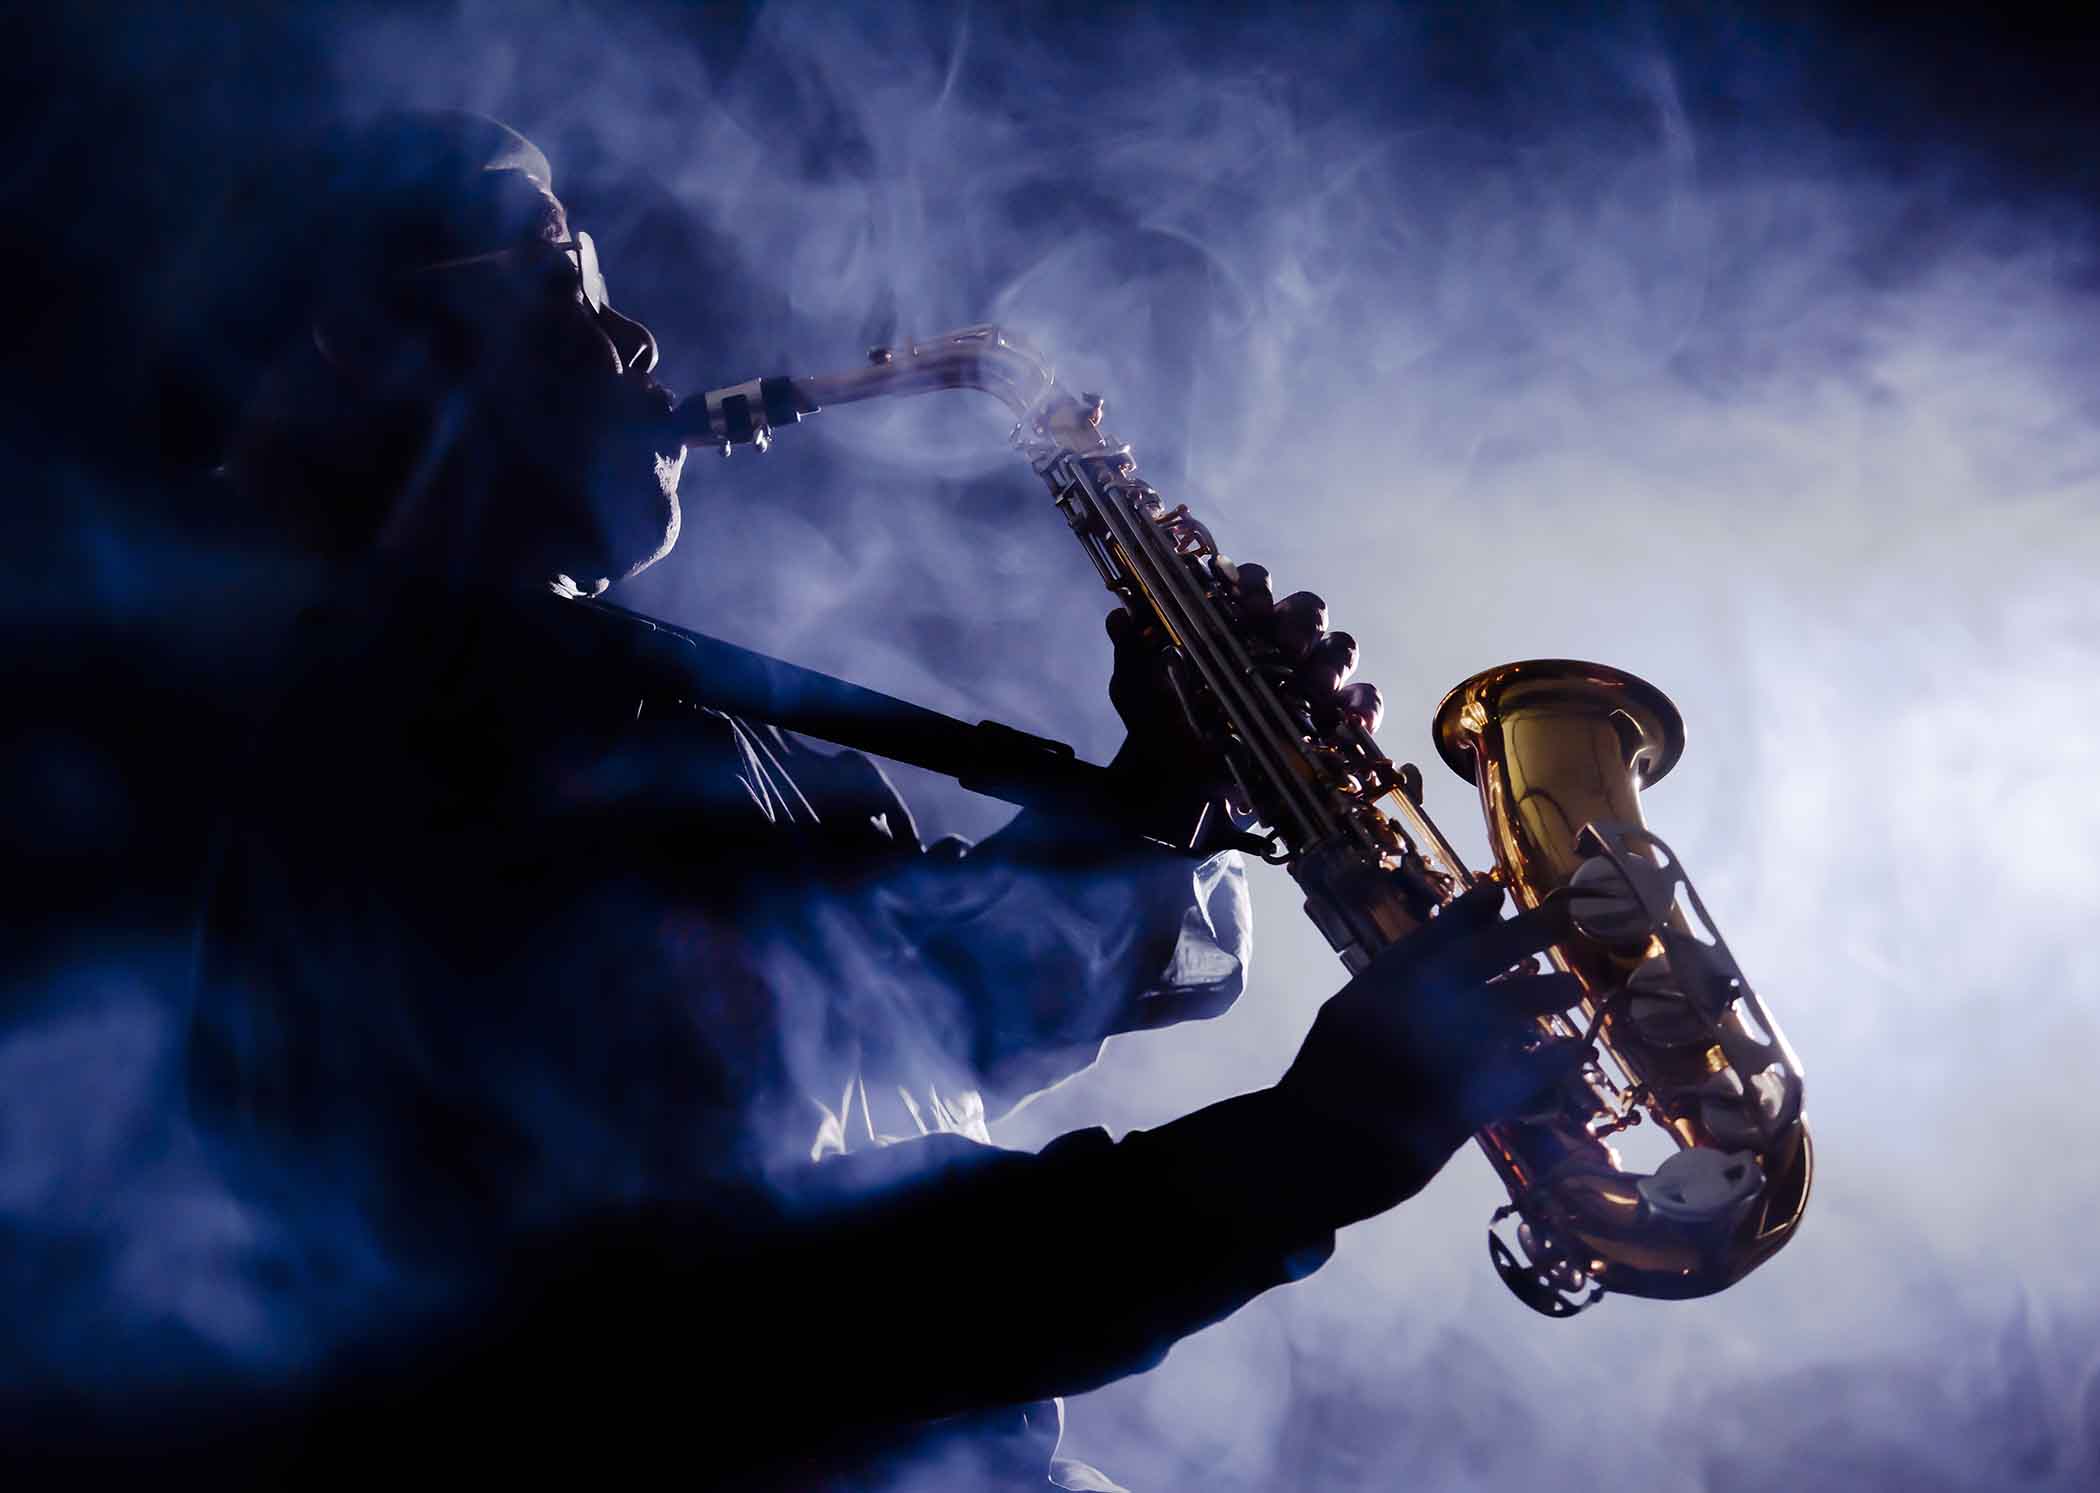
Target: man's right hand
(1423,1048)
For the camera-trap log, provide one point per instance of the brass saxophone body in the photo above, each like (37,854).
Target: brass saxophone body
(1558,750)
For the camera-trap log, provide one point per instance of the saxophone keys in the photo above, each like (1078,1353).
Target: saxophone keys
(1301,621)
(1536,1270)
(1703,1188)
(1365,706)
(1605,906)
(1659,1010)
(1251,581)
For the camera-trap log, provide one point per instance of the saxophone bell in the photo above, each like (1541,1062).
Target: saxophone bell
(1559,751)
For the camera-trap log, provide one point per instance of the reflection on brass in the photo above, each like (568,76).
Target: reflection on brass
(1559,751)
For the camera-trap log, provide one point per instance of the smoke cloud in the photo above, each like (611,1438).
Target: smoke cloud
(1511,337)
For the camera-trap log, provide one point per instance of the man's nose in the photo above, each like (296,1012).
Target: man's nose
(635,343)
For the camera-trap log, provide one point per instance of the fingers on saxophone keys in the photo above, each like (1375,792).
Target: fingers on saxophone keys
(1524,998)
(1520,1082)
(1469,943)
(1499,944)
(1479,906)
(1499,1023)
(1431,947)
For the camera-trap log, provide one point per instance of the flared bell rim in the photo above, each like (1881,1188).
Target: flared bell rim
(1451,738)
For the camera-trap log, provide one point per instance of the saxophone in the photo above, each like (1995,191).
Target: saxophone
(1558,750)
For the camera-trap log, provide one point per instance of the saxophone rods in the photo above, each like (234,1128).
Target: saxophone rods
(1558,750)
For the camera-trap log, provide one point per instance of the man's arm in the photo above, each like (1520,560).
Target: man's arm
(1030,947)
(897,1286)
(768,1338)
(1052,953)
(780,1339)
(922,1280)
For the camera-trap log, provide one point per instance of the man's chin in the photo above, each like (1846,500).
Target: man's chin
(602,519)
(665,536)
(649,542)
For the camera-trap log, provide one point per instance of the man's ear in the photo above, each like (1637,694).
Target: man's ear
(377,353)
(310,460)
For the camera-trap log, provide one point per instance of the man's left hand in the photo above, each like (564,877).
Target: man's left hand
(1163,749)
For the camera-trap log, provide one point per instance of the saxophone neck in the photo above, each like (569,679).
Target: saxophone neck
(986,357)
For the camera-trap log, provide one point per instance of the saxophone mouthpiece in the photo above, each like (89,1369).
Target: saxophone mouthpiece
(742,415)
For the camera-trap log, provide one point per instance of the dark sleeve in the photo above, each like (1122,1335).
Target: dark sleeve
(922,1280)
(1049,947)
(1017,955)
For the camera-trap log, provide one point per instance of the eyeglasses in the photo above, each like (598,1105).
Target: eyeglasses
(581,253)
(581,275)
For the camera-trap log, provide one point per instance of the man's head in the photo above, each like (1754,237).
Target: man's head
(458,394)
